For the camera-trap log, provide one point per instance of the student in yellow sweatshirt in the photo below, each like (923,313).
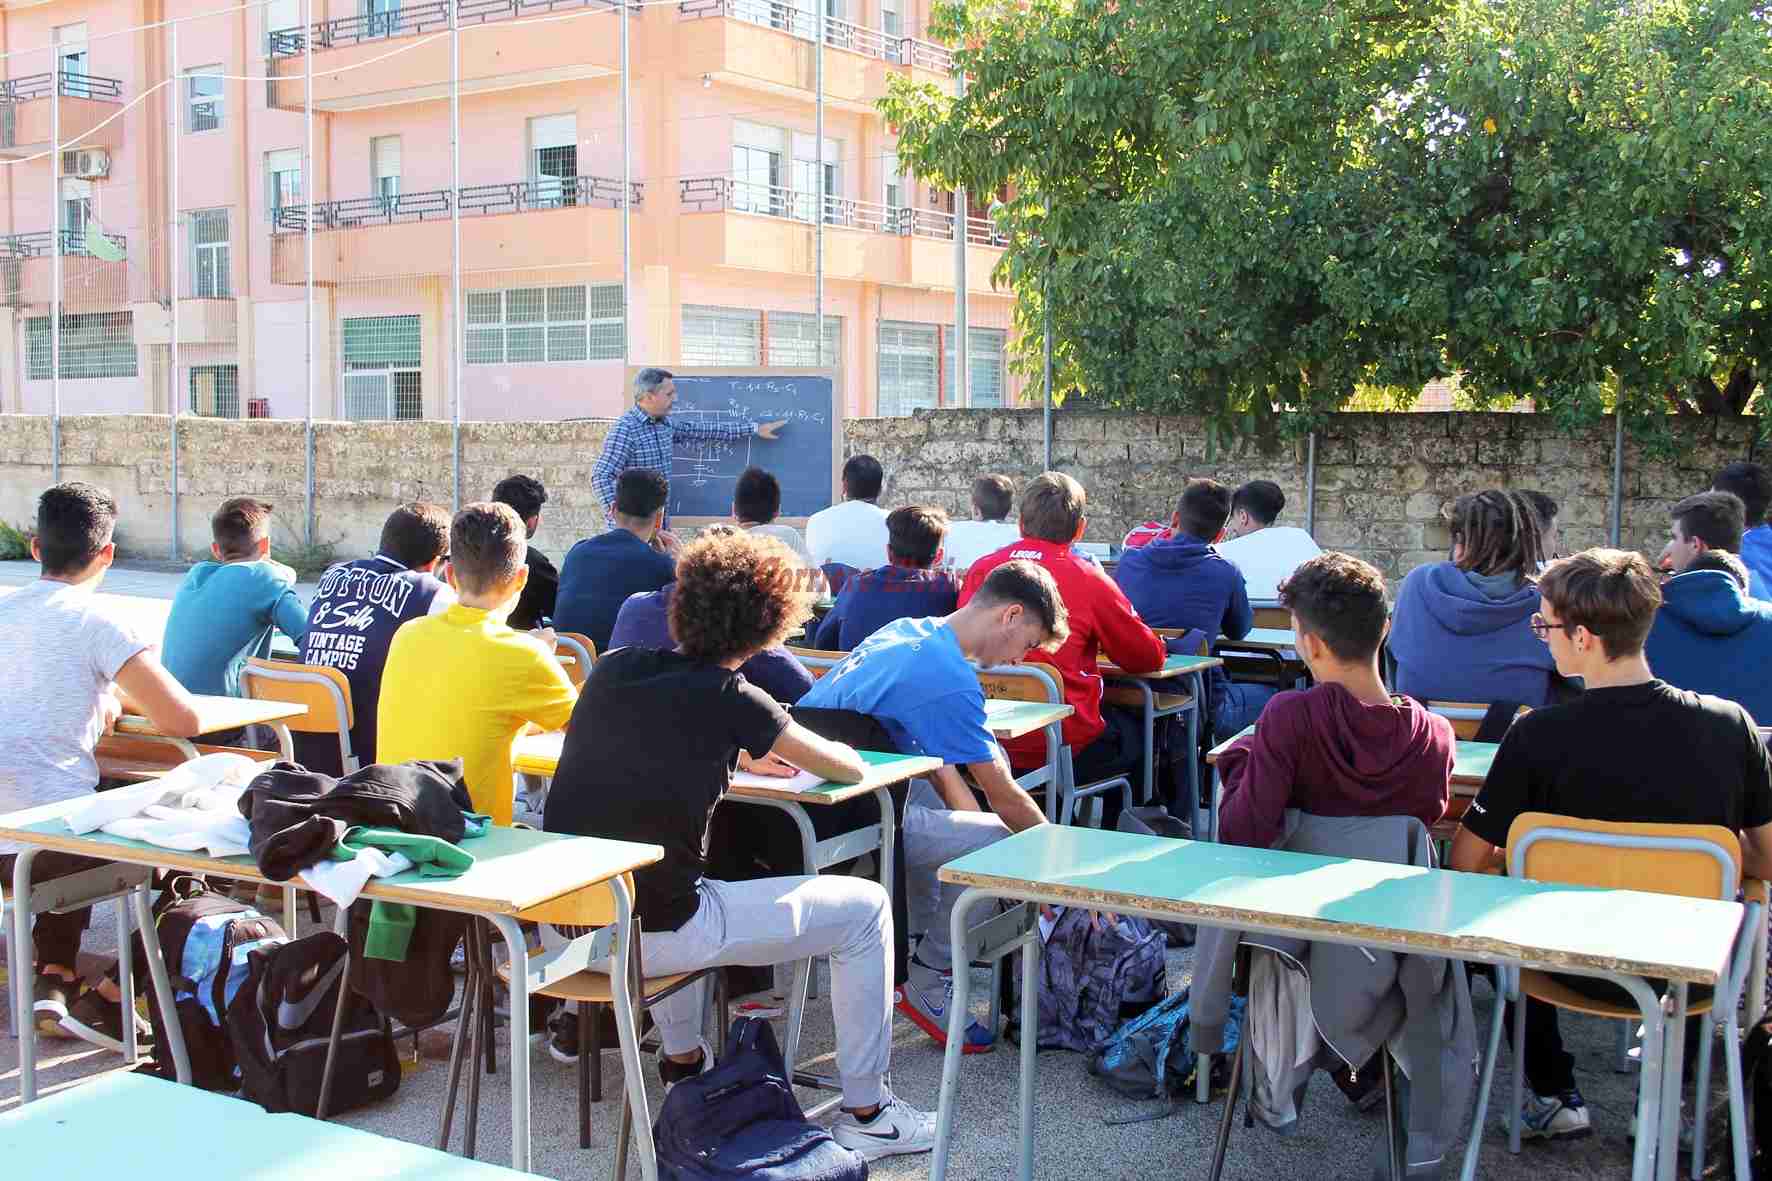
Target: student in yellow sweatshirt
(463,684)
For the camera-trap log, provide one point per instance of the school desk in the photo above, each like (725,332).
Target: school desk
(1624,936)
(218,714)
(514,871)
(1153,704)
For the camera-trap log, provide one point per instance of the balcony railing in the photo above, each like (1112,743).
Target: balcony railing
(41,244)
(434,204)
(412,19)
(73,85)
(702,194)
(802,22)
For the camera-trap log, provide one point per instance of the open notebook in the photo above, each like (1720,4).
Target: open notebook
(799,782)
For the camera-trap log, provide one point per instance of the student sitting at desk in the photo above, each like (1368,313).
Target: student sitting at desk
(356,611)
(648,757)
(601,572)
(853,533)
(993,497)
(1345,746)
(756,502)
(907,587)
(1459,632)
(225,610)
(1631,748)
(1104,742)
(912,676)
(1264,551)
(463,684)
(67,658)
(1710,637)
(526,495)
(1703,522)
(1182,582)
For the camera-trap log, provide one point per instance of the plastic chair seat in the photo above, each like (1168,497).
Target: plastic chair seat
(1128,695)
(593,988)
(1541,986)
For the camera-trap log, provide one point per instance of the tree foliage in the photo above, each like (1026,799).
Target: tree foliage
(1239,206)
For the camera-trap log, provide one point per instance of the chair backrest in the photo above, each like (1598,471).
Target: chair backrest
(325,692)
(1690,860)
(1178,633)
(583,652)
(1021,682)
(1467,716)
(1278,617)
(818,661)
(836,574)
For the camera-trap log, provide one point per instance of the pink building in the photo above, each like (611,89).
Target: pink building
(155,96)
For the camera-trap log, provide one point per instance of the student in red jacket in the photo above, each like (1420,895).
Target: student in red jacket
(1103,742)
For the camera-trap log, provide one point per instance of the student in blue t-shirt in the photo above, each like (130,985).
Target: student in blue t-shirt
(905,588)
(225,610)
(913,677)
(601,572)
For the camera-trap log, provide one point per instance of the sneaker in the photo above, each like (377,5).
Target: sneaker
(93,1018)
(897,1129)
(924,999)
(673,1073)
(563,1037)
(1554,1117)
(50,1005)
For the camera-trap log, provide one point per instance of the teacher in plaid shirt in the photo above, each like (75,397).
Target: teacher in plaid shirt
(644,436)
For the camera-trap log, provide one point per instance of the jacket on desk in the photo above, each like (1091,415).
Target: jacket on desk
(1360,998)
(1710,637)
(297,816)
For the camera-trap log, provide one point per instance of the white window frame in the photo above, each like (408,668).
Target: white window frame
(281,16)
(223,282)
(379,383)
(77,195)
(549,133)
(897,354)
(215,394)
(790,340)
(989,346)
(195,99)
(384,166)
(283,156)
(733,336)
(494,316)
(71,48)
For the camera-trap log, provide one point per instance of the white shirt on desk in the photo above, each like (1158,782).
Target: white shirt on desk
(853,533)
(1268,557)
(968,541)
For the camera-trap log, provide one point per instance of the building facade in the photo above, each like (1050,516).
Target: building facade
(150,147)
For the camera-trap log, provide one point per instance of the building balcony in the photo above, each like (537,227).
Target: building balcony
(509,226)
(772,45)
(353,69)
(734,223)
(27,266)
(28,115)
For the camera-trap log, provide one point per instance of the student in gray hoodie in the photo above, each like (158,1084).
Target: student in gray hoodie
(1460,631)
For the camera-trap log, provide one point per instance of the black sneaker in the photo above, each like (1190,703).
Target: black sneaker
(673,1073)
(49,1005)
(93,1018)
(563,1036)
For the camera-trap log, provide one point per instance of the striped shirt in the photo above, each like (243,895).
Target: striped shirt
(639,440)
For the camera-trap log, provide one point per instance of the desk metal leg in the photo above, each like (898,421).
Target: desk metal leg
(627,1027)
(1487,1079)
(170,1031)
(1030,1039)
(957,1017)
(21,962)
(1217,783)
(1649,1092)
(1673,1047)
(126,980)
(1194,728)
(519,1021)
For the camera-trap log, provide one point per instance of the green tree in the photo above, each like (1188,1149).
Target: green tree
(1241,205)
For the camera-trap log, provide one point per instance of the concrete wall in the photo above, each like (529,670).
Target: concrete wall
(1381,479)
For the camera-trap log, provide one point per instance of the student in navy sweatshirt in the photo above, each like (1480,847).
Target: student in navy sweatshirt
(905,588)
(1461,630)
(1711,637)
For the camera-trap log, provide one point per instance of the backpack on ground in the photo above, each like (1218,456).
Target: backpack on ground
(1154,820)
(206,938)
(741,1121)
(280,1022)
(1756,1075)
(1097,972)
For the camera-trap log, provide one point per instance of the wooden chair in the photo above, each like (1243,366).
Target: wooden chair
(1278,617)
(818,661)
(135,757)
(325,692)
(1466,716)
(1689,860)
(1036,682)
(583,652)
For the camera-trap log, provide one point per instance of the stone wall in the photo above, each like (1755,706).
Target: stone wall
(1381,479)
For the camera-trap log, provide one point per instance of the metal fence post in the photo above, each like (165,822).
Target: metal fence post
(459,333)
(308,186)
(173,402)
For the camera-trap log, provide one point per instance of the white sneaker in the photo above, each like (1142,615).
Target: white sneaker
(899,1129)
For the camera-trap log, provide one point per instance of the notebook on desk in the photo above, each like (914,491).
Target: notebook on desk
(799,781)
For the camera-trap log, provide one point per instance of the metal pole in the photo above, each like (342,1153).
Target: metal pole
(818,232)
(627,191)
(1310,485)
(308,185)
(55,287)
(456,330)
(962,336)
(173,401)
(1046,347)
(1616,528)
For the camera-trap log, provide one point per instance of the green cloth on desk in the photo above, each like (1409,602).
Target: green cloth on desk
(391,923)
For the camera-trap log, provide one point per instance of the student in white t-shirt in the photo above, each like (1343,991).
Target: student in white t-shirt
(854,532)
(756,502)
(967,541)
(1266,553)
(66,658)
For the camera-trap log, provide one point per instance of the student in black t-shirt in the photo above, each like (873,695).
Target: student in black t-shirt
(1632,748)
(526,495)
(649,752)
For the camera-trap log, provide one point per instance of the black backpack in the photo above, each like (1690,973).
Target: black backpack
(280,1023)
(1756,1075)
(206,937)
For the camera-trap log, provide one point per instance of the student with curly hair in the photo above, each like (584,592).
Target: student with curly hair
(648,754)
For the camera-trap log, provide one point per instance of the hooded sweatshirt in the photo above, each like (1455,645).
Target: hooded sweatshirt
(1454,641)
(1326,752)
(1710,637)
(1182,582)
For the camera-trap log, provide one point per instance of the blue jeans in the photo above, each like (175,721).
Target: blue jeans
(1241,705)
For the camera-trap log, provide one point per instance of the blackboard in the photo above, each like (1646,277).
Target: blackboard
(803,457)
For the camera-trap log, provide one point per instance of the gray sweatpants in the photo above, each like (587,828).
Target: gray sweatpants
(780,920)
(933,836)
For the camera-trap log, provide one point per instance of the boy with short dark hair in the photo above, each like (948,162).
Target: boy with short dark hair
(358,607)
(70,664)
(907,587)
(1711,636)
(1752,482)
(756,502)
(1346,746)
(1708,521)
(853,533)
(1264,551)
(993,497)
(464,684)
(525,495)
(1630,748)
(225,610)
(601,572)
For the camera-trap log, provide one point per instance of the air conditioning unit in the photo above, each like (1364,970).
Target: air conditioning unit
(87,164)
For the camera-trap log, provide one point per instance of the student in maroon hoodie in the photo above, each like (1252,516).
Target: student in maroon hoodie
(1345,746)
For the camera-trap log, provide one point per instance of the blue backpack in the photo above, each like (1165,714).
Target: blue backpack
(741,1121)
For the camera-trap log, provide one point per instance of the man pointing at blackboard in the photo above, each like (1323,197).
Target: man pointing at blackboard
(645,435)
